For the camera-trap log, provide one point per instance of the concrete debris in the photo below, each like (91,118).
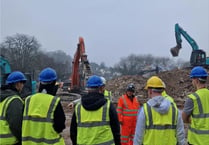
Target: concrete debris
(178,85)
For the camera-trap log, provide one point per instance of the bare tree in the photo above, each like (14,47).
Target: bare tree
(136,64)
(63,63)
(21,50)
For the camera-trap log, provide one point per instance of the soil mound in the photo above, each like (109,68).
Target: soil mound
(178,85)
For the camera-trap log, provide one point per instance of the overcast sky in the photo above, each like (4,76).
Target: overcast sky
(111,29)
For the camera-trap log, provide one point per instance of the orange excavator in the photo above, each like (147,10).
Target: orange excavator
(80,69)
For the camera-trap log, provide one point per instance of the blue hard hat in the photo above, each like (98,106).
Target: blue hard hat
(47,75)
(15,77)
(198,72)
(94,81)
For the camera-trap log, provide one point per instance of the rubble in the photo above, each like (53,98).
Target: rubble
(178,85)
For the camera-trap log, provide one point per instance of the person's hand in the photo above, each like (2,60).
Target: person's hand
(71,105)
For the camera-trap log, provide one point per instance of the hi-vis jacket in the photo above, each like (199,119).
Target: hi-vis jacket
(6,136)
(37,125)
(107,94)
(160,125)
(198,132)
(94,126)
(127,109)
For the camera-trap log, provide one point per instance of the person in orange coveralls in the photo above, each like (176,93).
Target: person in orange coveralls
(127,110)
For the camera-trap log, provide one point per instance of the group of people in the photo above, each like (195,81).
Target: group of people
(159,121)
(40,118)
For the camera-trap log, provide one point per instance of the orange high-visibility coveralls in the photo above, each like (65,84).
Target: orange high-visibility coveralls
(127,113)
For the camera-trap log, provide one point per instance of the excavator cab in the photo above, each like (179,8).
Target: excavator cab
(198,58)
(5,69)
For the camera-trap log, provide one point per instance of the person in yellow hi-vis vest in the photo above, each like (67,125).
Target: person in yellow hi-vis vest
(43,117)
(196,109)
(11,109)
(95,120)
(164,94)
(107,94)
(159,122)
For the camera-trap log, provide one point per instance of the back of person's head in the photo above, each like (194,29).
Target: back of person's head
(12,79)
(155,83)
(47,78)
(16,77)
(47,75)
(94,83)
(200,73)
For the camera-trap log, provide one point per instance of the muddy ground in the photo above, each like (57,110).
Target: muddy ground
(178,85)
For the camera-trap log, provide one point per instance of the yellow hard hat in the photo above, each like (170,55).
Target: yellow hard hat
(154,82)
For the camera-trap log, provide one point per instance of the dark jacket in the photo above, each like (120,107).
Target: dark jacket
(93,101)
(59,119)
(14,113)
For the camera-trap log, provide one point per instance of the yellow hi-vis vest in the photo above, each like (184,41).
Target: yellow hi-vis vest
(6,136)
(198,133)
(164,94)
(169,98)
(37,127)
(107,94)
(160,128)
(94,126)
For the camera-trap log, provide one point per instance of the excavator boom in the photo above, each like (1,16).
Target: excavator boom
(80,68)
(198,56)
(178,32)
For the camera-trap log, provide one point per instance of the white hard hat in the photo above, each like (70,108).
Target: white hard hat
(103,80)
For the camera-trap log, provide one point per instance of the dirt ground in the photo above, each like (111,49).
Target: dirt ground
(178,85)
(68,114)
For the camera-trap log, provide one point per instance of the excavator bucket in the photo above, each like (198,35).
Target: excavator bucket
(175,51)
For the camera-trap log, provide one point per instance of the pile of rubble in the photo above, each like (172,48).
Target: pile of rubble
(178,85)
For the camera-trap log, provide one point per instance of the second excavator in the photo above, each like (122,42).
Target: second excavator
(198,56)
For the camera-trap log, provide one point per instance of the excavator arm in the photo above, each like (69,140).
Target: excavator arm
(198,56)
(80,68)
(178,32)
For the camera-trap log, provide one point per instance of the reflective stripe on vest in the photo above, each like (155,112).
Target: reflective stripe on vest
(38,120)
(160,126)
(94,126)
(198,132)
(6,136)
(129,112)
(164,94)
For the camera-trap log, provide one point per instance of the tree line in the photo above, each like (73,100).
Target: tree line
(24,53)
